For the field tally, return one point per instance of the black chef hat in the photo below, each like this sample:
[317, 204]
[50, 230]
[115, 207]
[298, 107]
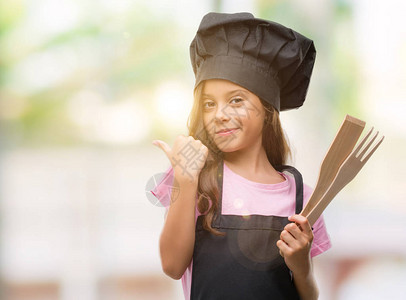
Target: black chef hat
[268, 59]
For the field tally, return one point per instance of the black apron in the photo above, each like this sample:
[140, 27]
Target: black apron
[245, 263]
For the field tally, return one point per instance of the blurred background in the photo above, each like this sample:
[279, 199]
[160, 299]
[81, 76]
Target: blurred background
[86, 85]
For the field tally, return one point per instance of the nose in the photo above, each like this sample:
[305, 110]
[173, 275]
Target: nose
[221, 114]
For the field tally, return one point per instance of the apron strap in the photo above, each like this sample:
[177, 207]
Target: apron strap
[299, 185]
[217, 215]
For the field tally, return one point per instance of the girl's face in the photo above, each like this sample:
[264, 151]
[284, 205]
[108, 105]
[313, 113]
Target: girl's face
[232, 115]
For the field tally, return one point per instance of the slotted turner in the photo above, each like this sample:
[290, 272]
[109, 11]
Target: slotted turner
[348, 170]
[343, 143]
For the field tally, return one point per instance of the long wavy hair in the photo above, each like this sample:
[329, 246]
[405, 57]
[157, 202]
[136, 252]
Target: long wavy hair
[273, 141]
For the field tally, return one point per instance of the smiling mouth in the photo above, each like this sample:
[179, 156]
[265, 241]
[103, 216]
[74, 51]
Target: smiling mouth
[225, 132]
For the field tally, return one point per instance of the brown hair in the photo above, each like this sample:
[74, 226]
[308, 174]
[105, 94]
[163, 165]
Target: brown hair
[273, 141]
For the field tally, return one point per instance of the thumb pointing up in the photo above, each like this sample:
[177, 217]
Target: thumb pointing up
[188, 168]
[164, 146]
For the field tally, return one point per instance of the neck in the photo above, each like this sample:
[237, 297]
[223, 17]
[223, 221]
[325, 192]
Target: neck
[252, 159]
[253, 164]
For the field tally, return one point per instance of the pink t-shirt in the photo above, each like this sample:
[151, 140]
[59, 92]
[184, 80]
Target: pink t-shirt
[238, 199]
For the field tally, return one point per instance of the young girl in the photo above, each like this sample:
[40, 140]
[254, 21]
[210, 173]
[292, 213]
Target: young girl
[232, 228]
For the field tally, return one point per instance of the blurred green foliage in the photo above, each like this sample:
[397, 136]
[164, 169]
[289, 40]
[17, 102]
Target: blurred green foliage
[131, 52]
[121, 55]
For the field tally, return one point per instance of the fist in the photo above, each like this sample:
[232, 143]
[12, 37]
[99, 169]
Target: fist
[295, 244]
[187, 157]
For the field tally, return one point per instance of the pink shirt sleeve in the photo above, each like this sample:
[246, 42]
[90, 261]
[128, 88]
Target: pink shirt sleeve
[163, 191]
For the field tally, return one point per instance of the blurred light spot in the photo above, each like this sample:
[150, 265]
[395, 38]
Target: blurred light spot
[238, 203]
[173, 104]
[115, 7]
[383, 64]
[246, 214]
[43, 70]
[47, 18]
[123, 122]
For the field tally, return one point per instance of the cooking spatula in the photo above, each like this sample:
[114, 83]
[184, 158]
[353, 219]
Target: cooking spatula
[343, 143]
[348, 170]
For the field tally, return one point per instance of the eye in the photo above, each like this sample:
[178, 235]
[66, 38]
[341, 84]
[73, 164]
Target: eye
[208, 104]
[237, 100]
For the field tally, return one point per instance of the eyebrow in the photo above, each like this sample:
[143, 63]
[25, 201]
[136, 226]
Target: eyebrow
[205, 96]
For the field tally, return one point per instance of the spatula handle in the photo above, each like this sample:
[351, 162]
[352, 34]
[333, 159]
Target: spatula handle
[323, 203]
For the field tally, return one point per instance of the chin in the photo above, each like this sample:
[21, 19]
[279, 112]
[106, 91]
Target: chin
[227, 147]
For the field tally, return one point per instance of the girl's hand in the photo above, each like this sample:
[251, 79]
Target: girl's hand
[187, 157]
[295, 244]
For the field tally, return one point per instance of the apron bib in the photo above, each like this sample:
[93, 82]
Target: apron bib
[245, 263]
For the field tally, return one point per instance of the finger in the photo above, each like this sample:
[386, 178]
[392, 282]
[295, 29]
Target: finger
[283, 247]
[294, 230]
[288, 239]
[301, 237]
[302, 222]
[164, 146]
